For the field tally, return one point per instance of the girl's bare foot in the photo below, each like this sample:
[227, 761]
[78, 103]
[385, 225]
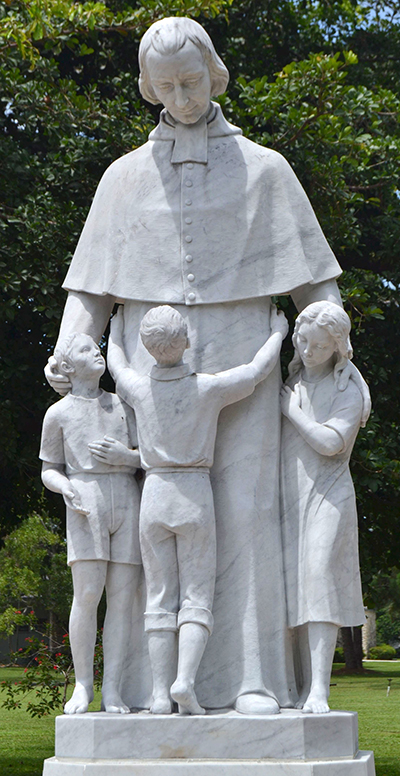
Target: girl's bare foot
[183, 693]
[79, 702]
[316, 703]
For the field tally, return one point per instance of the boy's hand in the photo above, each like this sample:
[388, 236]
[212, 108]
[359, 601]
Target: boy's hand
[289, 400]
[116, 359]
[278, 322]
[73, 499]
[117, 326]
[109, 450]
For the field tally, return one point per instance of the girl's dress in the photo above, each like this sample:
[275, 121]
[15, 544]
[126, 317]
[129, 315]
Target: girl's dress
[319, 510]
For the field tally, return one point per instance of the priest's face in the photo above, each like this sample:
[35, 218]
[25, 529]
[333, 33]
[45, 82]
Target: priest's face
[181, 81]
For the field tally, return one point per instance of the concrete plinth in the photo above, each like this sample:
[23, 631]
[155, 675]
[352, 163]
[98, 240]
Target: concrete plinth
[223, 744]
[361, 765]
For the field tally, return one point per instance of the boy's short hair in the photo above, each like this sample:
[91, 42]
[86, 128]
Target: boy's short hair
[63, 350]
[164, 333]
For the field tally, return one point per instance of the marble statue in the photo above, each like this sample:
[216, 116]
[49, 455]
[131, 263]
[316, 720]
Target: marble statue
[203, 219]
[102, 499]
[177, 413]
[319, 516]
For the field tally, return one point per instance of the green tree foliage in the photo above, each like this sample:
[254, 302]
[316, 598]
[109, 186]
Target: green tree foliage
[318, 81]
[34, 575]
[387, 629]
[384, 596]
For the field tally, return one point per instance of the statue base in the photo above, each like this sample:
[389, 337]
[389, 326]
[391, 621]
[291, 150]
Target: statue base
[219, 744]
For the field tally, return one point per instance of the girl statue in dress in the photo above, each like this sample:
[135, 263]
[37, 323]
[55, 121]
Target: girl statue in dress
[320, 424]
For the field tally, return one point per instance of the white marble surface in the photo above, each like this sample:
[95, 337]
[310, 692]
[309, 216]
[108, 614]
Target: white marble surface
[322, 414]
[212, 223]
[177, 413]
[86, 452]
[228, 735]
[319, 429]
[361, 765]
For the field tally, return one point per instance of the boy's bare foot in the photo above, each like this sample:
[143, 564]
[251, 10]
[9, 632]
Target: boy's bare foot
[183, 693]
[112, 703]
[161, 705]
[79, 702]
[316, 703]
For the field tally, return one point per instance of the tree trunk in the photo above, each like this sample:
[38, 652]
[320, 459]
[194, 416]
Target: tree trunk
[357, 640]
[352, 648]
[348, 648]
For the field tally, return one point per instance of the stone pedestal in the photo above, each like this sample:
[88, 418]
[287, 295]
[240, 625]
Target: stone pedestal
[223, 744]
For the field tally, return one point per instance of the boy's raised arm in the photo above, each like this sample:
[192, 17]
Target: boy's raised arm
[123, 374]
[116, 359]
[266, 358]
[239, 382]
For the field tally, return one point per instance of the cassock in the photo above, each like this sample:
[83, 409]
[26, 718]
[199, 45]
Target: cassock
[204, 219]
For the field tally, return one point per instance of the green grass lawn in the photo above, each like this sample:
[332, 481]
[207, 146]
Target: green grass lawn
[26, 742]
[378, 715]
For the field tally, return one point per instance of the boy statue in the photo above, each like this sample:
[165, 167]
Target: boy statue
[102, 499]
[177, 413]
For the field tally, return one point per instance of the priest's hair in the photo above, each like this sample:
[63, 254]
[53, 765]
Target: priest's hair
[63, 351]
[335, 320]
[164, 333]
[169, 35]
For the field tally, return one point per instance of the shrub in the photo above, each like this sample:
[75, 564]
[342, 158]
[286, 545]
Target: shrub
[387, 628]
[48, 673]
[383, 652]
[339, 655]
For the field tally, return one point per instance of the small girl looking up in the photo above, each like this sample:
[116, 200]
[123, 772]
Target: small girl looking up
[320, 425]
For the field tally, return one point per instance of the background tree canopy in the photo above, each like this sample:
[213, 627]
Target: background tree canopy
[318, 81]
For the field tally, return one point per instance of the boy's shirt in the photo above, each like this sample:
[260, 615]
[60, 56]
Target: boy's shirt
[177, 411]
[74, 421]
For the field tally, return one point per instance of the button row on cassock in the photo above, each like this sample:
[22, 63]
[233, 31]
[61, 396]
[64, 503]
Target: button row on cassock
[188, 237]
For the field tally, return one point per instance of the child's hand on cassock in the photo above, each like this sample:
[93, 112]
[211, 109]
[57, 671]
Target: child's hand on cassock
[290, 400]
[278, 322]
[110, 451]
[117, 325]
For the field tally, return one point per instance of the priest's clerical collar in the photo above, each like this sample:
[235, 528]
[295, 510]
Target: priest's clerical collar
[190, 140]
[170, 372]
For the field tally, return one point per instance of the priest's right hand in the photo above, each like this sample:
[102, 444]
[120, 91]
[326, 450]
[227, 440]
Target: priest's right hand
[58, 382]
